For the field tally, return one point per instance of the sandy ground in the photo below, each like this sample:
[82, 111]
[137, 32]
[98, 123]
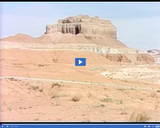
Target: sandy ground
[47, 101]
[132, 88]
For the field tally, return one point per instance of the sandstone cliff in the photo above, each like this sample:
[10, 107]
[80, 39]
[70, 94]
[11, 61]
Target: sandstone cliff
[82, 29]
[83, 24]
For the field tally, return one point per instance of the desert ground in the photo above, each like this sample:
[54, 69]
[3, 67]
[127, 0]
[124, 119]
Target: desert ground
[45, 85]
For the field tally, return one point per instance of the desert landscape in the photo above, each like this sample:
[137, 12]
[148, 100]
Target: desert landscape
[40, 82]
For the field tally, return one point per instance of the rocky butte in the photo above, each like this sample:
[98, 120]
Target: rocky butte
[82, 33]
[83, 24]
[100, 32]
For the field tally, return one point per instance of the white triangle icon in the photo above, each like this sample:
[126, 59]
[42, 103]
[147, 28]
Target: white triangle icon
[80, 61]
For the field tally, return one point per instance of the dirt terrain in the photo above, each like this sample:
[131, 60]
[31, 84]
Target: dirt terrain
[47, 86]
[25, 100]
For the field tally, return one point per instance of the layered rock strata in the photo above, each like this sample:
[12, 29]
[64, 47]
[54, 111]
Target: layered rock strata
[83, 24]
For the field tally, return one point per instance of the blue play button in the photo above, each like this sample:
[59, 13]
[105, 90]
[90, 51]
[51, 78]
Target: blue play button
[80, 61]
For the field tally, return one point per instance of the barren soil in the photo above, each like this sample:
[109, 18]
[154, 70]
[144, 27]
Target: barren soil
[45, 85]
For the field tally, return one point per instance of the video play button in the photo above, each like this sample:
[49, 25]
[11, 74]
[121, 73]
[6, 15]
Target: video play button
[80, 61]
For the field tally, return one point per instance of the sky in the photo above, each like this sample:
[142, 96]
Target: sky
[137, 23]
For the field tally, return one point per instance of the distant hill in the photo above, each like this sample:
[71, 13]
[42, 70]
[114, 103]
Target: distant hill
[156, 54]
[18, 38]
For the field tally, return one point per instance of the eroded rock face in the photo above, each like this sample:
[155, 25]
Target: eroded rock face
[145, 58]
[156, 54]
[142, 58]
[118, 58]
[85, 25]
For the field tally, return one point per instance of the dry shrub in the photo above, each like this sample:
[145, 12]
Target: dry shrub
[55, 96]
[76, 97]
[34, 87]
[56, 85]
[139, 116]
[40, 89]
[12, 79]
[158, 90]
[154, 95]
[107, 100]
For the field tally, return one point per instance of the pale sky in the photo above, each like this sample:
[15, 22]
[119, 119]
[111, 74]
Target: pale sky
[137, 23]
